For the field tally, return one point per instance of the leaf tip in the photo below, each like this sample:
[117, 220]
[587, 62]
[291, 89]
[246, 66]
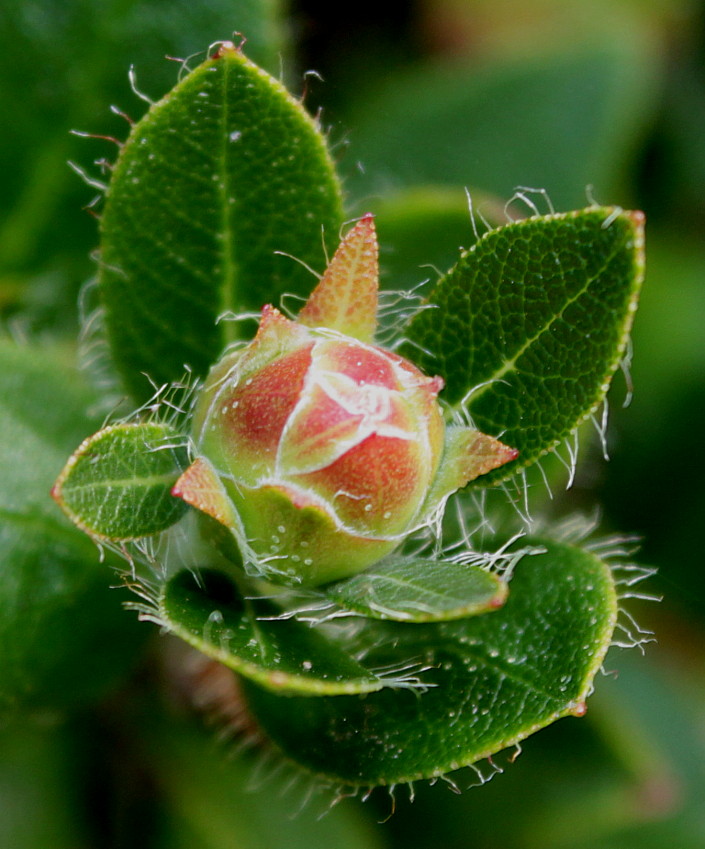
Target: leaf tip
[498, 601]
[578, 709]
[228, 48]
[57, 490]
[637, 217]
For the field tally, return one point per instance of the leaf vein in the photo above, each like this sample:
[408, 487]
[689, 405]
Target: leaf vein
[510, 364]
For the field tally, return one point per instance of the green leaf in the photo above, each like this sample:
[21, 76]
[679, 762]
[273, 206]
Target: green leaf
[219, 176]
[531, 324]
[212, 803]
[492, 680]
[64, 637]
[559, 119]
[117, 484]
[207, 611]
[410, 589]
[40, 805]
[45, 235]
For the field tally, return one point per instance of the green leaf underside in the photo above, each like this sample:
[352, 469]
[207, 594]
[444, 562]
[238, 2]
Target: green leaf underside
[222, 173]
[117, 484]
[531, 324]
[416, 590]
[494, 680]
[207, 611]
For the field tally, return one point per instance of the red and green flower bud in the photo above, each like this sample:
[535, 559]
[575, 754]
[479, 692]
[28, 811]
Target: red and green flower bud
[320, 450]
[327, 450]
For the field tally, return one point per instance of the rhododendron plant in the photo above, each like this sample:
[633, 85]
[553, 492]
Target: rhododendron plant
[300, 475]
[313, 441]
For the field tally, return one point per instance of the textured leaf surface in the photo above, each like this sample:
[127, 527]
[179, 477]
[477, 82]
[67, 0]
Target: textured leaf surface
[64, 636]
[118, 483]
[493, 680]
[281, 654]
[222, 173]
[43, 226]
[531, 324]
[415, 590]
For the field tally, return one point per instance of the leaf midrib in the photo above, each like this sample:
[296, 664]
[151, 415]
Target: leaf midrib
[509, 365]
[227, 300]
[124, 483]
[407, 583]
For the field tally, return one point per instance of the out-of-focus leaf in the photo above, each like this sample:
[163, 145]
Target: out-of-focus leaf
[412, 589]
[658, 798]
[245, 634]
[559, 121]
[530, 325]
[63, 634]
[212, 802]
[37, 810]
[117, 484]
[423, 230]
[659, 428]
[219, 176]
[492, 680]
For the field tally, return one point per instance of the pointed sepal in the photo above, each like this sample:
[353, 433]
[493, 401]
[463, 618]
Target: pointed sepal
[467, 454]
[201, 487]
[345, 299]
[276, 336]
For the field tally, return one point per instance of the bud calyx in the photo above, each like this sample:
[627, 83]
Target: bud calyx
[326, 446]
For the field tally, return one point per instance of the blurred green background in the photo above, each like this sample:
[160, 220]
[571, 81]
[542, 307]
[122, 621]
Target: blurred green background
[582, 98]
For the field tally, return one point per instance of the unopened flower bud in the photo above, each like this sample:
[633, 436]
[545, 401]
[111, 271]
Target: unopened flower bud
[327, 450]
[320, 450]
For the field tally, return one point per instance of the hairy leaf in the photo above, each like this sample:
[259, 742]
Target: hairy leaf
[43, 226]
[117, 484]
[215, 182]
[531, 324]
[422, 229]
[245, 634]
[412, 589]
[492, 680]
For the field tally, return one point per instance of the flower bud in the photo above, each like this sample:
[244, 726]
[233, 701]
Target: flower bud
[326, 446]
[318, 450]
